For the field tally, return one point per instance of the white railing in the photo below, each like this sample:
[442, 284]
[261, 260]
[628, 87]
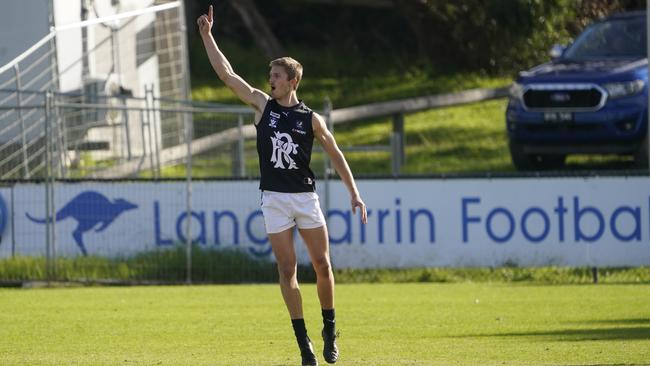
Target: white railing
[86, 23]
[102, 75]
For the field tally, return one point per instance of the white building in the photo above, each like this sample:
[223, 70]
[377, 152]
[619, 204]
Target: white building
[90, 50]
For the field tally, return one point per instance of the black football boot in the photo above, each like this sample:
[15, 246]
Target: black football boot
[330, 350]
[307, 353]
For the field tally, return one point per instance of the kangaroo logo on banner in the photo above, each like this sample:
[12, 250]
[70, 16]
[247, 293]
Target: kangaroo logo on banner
[89, 209]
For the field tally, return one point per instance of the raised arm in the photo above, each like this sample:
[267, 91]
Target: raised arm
[249, 95]
[329, 145]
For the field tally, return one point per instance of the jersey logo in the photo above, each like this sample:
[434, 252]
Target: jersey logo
[283, 148]
[299, 128]
[273, 118]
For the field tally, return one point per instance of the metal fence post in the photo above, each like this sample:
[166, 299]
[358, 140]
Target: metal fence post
[48, 256]
[13, 221]
[240, 147]
[327, 112]
[127, 129]
[150, 124]
[22, 122]
[157, 129]
[52, 178]
[48, 209]
[189, 134]
[188, 188]
[144, 129]
[397, 144]
[61, 144]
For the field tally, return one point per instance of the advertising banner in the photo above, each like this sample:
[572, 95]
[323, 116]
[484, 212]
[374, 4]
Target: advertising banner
[411, 223]
[5, 219]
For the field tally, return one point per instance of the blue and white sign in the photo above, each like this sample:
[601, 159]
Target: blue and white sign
[90, 210]
[411, 223]
[490, 222]
[4, 214]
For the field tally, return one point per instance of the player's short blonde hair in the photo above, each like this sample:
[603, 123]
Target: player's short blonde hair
[291, 66]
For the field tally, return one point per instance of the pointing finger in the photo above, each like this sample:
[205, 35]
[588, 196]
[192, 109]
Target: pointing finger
[210, 13]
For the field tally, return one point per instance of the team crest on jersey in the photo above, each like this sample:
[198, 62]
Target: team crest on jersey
[283, 148]
[299, 128]
[273, 119]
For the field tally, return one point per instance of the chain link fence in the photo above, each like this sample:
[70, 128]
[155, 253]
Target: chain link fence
[92, 117]
[101, 210]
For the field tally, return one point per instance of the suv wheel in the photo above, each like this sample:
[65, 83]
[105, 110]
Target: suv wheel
[525, 162]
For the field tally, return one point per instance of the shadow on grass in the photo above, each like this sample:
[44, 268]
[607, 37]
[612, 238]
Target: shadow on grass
[637, 321]
[598, 334]
[633, 329]
[610, 364]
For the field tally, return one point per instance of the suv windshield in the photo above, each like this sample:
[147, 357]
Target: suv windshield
[612, 39]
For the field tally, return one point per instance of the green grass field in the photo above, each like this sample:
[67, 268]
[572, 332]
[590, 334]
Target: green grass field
[380, 324]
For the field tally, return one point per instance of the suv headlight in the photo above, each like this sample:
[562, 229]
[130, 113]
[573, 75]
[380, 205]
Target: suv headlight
[623, 89]
[516, 91]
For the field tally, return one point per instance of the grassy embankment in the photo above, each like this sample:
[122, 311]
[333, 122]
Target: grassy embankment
[460, 139]
[467, 138]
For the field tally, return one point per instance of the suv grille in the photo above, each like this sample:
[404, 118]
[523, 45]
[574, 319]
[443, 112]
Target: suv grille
[561, 96]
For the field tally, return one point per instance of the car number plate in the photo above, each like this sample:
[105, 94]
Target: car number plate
[557, 117]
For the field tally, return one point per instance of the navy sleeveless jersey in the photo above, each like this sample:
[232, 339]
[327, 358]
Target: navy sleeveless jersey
[284, 142]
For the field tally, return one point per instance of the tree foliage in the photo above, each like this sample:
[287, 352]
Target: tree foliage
[490, 36]
[501, 35]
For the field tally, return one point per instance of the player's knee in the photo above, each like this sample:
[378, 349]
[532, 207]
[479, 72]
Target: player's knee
[287, 272]
[322, 266]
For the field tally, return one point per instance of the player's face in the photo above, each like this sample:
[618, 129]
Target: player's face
[278, 80]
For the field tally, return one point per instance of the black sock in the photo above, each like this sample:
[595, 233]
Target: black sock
[329, 324]
[300, 331]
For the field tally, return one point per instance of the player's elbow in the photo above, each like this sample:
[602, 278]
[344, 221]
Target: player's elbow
[225, 76]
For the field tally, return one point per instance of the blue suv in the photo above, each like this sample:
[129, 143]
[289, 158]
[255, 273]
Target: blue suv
[592, 98]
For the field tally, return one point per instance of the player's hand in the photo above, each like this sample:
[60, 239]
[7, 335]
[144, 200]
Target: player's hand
[357, 202]
[205, 22]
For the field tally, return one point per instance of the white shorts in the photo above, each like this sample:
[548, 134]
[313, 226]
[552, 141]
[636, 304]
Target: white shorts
[284, 210]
